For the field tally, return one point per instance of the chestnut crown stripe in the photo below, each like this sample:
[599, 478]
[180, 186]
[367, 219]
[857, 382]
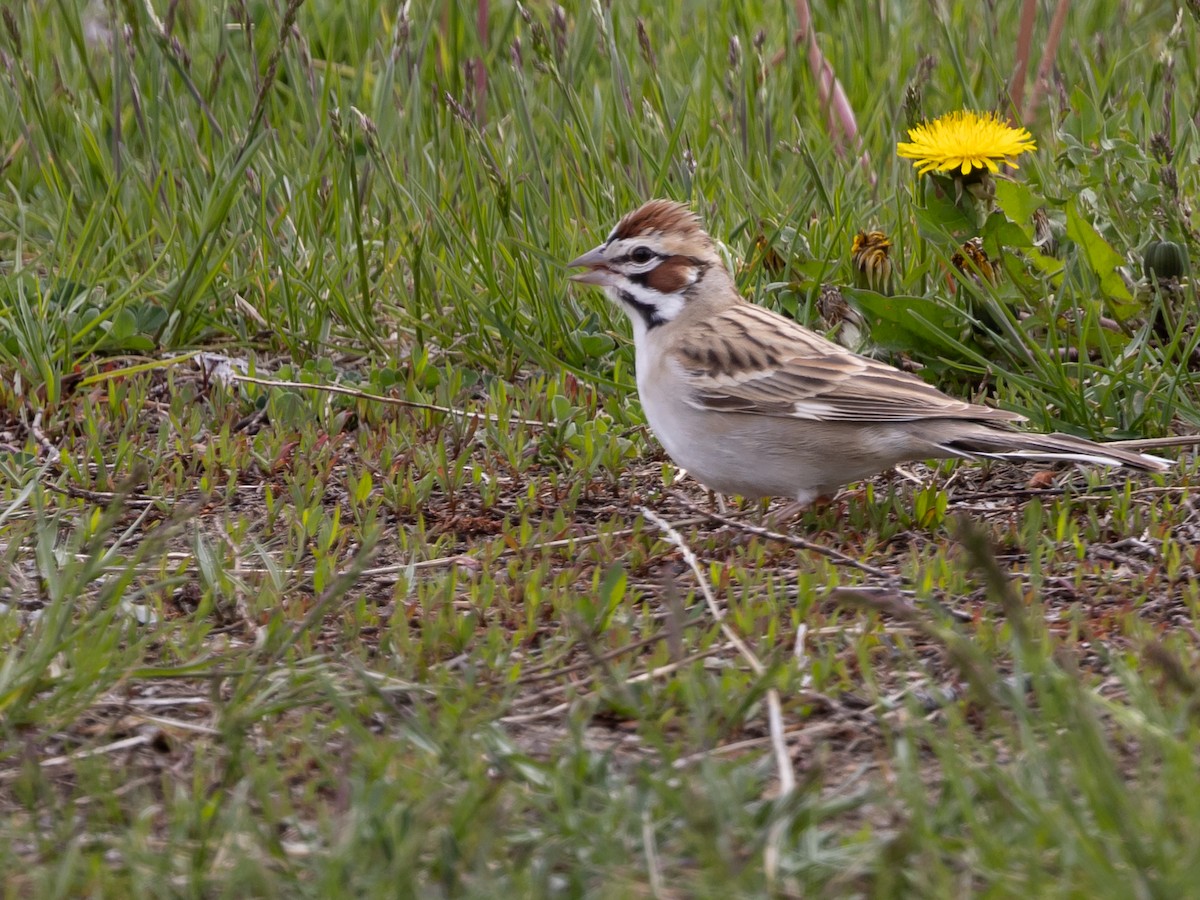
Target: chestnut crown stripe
[663, 217]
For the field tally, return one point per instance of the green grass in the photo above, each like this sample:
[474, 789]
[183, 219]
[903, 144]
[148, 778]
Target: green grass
[418, 637]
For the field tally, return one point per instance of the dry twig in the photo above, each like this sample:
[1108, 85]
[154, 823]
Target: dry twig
[783, 760]
[391, 401]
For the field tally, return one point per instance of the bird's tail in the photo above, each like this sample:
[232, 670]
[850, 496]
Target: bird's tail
[992, 443]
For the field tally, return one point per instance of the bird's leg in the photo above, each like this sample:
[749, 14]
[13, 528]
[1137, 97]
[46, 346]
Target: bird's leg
[716, 501]
[783, 517]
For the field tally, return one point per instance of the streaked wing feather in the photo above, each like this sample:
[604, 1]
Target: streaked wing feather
[748, 359]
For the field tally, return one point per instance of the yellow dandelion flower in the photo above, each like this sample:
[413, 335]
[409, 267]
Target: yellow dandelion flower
[965, 141]
[870, 256]
[974, 263]
[768, 257]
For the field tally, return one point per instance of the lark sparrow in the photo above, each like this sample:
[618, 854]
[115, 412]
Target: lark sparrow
[751, 403]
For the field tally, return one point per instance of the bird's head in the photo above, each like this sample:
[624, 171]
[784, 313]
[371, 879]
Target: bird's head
[653, 262]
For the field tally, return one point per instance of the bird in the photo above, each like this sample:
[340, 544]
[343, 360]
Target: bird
[751, 403]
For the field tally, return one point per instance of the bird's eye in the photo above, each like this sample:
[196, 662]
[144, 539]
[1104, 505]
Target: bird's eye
[641, 255]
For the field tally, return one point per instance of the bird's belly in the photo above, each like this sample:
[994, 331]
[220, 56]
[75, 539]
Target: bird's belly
[724, 454]
[764, 456]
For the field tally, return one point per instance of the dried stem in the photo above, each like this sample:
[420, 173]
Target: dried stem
[1016, 84]
[783, 760]
[1047, 62]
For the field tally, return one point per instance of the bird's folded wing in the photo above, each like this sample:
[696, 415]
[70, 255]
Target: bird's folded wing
[754, 364]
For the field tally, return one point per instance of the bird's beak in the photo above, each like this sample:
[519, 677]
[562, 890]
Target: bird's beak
[597, 267]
